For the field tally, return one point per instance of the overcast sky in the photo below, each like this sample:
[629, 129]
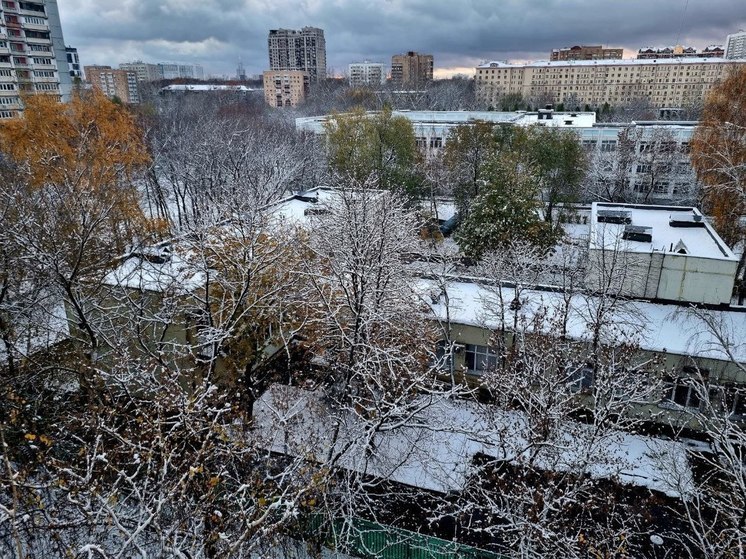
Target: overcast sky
[459, 33]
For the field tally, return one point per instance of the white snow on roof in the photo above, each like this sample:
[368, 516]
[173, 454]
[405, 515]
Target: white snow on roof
[141, 271]
[295, 209]
[610, 62]
[653, 327]
[209, 87]
[702, 242]
[431, 443]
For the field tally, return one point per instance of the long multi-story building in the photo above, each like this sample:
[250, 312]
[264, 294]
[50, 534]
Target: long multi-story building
[366, 73]
[668, 82]
[679, 51]
[651, 158]
[411, 69]
[32, 54]
[304, 50]
[586, 52]
[735, 45]
[285, 88]
[121, 84]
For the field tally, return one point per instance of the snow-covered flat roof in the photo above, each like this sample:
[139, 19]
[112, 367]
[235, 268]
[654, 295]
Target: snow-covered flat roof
[610, 62]
[431, 442]
[155, 269]
[700, 241]
[652, 327]
[210, 87]
[454, 118]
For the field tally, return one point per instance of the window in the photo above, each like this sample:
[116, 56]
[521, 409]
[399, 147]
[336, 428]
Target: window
[589, 144]
[436, 142]
[444, 355]
[608, 145]
[8, 100]
[681, 392]
[44, 74]
[480, 358]
[684, 391]
[645, 147]
[728, 400]
[7, 87]
[421, 141]
[47, 61]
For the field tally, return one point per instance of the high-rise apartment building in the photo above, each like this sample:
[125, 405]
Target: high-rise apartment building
[367, 73]
[285, 88]
[32, 54]
[298, 50]
[668, 82]
[121, 84]
[735, 45]
[145, 72]
[586, 52]
[411, 69]
[73, 63]
[679, 51]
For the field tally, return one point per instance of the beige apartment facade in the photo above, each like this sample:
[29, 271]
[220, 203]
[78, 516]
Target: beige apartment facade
[285, 88]
[666, 83]
[121, 84]
[411, 69]
[145, 72]
[586, 52]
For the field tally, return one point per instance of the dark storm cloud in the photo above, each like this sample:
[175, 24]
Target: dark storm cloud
[459, 33]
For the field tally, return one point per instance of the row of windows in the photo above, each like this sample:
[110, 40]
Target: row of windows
[681, 391]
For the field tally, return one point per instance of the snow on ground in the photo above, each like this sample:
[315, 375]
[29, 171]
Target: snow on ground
[433, 446]
[655, 327]
[40, 328]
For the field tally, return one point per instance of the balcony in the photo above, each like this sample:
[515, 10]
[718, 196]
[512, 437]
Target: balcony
[38, 41]
[35, 26]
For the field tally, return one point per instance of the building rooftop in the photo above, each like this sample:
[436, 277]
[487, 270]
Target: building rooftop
[444, 118]
[209, 87]
[651, 326]
[436, 448]
[611, 62]
[667, 229]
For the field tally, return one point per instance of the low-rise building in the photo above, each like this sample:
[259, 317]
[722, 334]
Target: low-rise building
[120, 84]
[668, 253]
[285, 88]
[658, 163]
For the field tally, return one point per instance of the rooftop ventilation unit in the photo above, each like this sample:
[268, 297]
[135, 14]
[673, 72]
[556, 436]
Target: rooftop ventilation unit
[686, 219]
[638, 233]
[620, 217]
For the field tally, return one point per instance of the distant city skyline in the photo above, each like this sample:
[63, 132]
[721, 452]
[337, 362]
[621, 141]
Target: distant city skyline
[217, 33]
